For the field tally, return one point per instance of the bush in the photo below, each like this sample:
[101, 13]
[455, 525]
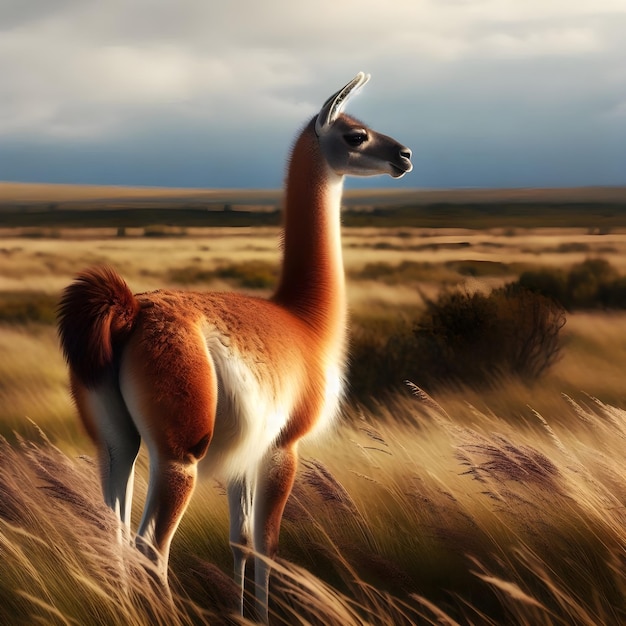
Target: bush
[549, 283]
[613, 295]
[590, 284]
[248, 274]
[390, 274]
[476, 267]
[460, 339]
[476, 339]
[41, 233]
[159, 231]
[190, 275]
[382, 356]
[586, 280]
[21, 307]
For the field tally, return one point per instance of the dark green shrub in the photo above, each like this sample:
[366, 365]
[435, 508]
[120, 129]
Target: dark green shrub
[477, 339]
[572, 246]
[591, 284]
[382, 356]
[405, 272]
[160, 231]
[460, 339]
[21, 307]
[41, 233]
[586, 280]
[613, 295]
[476, 267]
[249, 274]
[190, 275]
[551, 283]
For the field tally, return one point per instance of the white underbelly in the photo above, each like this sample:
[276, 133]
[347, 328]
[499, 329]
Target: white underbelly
[250, 415]
[255, 404]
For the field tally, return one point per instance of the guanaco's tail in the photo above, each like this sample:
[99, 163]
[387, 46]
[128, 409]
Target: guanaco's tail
[96, 313]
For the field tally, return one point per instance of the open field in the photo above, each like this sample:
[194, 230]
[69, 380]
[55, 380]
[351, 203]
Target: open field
[500, 506]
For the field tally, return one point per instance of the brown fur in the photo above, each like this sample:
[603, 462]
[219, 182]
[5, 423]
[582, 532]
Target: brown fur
[169, 356]
[96, 314]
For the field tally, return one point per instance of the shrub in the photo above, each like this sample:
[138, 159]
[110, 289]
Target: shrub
[190, 275]
[41, 233]
[159, 230]
[590, 284]
[476, 267]
[476, 339]
[382, 356]
[248, 274]
[613, 295]
[21, 307]
[460, 339]
[551, 283]
[390, 274]
[572, 246]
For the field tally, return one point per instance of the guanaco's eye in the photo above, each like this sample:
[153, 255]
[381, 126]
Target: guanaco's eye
[356, 138]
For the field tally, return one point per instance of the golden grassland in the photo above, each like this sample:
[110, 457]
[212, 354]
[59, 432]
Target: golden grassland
[504, 506]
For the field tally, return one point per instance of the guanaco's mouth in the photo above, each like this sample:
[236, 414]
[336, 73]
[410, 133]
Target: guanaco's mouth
[398, 172]
[402, 165]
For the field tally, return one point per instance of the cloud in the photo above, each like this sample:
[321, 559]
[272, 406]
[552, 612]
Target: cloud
[93, 73]
[551, 42]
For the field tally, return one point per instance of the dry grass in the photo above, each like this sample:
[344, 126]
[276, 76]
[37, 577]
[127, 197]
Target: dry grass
[446, 520]
[33, 383]
[499, 507]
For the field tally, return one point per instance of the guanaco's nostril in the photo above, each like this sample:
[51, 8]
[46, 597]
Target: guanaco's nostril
[406, 153]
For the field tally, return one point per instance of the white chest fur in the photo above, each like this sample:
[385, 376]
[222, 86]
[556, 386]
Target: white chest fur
[251, 412]
[254, 406]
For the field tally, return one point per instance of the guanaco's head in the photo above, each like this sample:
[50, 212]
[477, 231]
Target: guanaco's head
[350, 147]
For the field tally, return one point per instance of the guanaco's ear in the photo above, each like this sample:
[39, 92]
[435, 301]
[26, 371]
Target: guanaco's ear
[334, 105]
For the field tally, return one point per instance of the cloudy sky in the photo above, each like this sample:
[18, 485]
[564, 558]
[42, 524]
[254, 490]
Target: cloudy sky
[487, 93]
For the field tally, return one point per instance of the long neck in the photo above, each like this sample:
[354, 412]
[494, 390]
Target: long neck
[312, 283]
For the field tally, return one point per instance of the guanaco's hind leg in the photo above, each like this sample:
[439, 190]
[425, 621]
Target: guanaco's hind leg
[240, 493]
[275, 480]
[109, 424]
[170, 389]
[170, 487]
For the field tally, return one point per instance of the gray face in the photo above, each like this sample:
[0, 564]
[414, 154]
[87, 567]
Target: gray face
[353, 149]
